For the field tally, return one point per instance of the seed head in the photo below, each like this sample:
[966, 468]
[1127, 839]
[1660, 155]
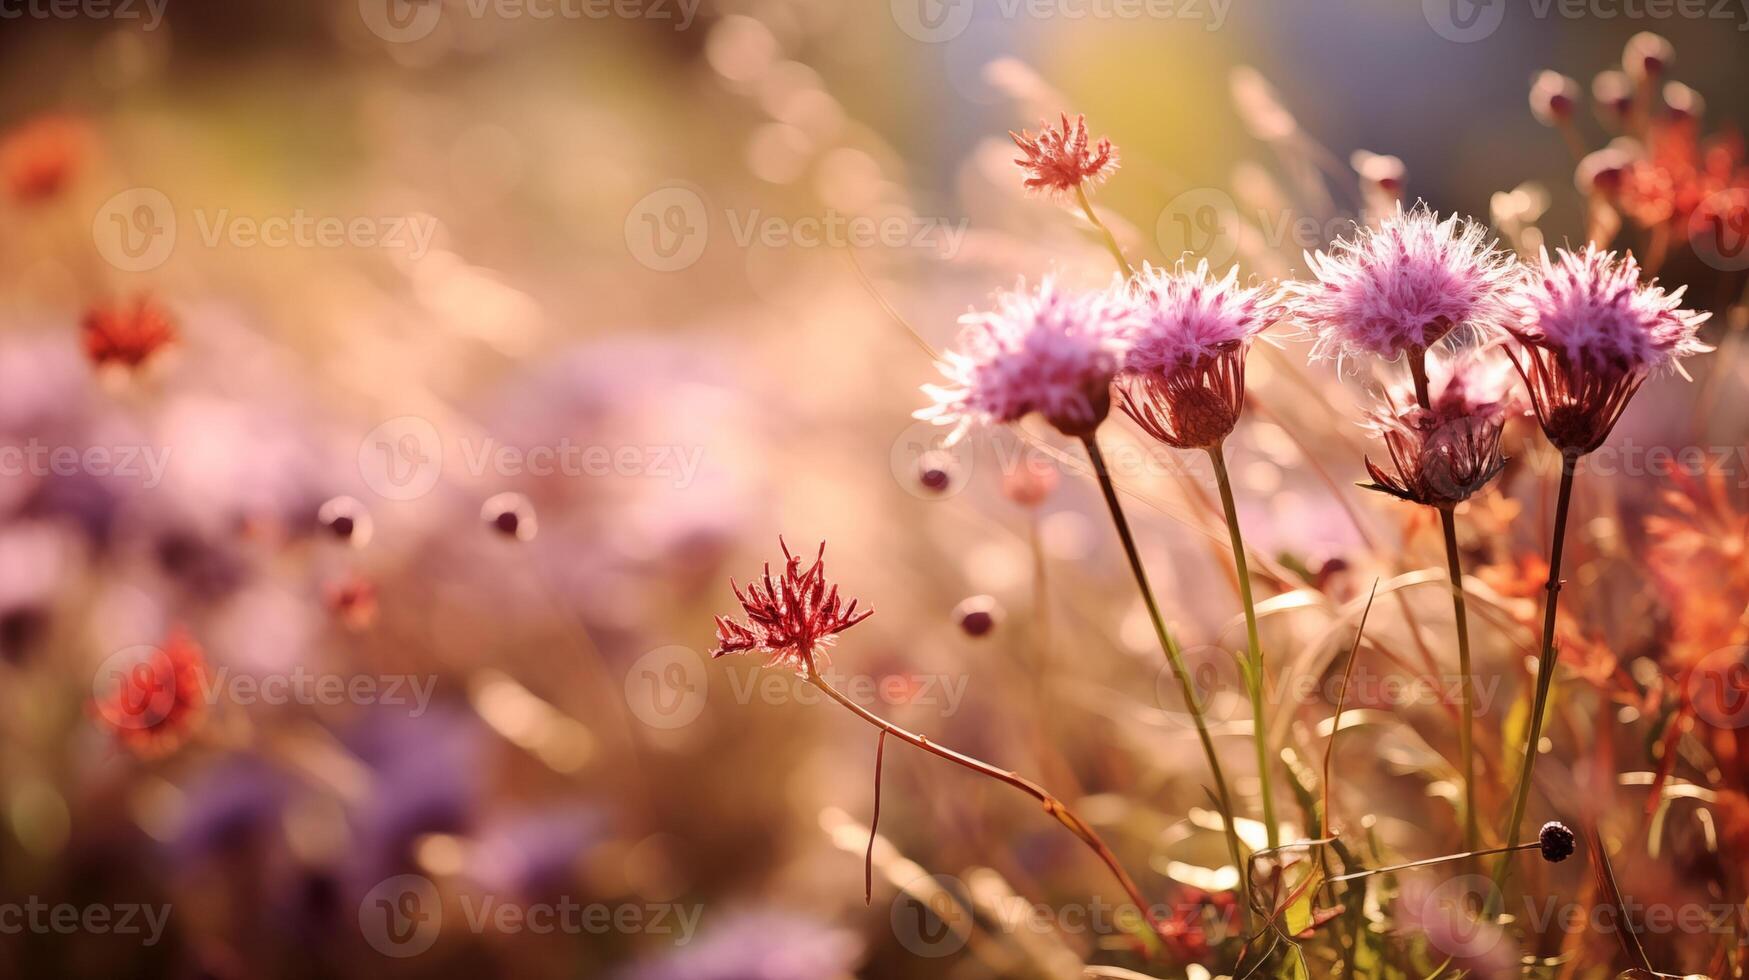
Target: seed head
[794, 619]
[1557, 842]
[1443, 453]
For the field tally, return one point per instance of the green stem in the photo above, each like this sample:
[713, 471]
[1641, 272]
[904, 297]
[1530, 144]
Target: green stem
[1254, 676]
[1192, 703]
[1454, 568]
[1545, 667]
[1123, 264]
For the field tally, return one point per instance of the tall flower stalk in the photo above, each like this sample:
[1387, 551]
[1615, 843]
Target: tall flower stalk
[1184, 384]
[1394, 292]
[1055, 351]
[1587, 334]
[796, 617]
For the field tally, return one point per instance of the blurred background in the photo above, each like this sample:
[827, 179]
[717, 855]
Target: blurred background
[388, 391]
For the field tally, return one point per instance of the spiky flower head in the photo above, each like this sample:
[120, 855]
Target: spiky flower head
[793, 619]
[1048, 350]
[1403, 285]
[126, 332]
[1184, 377]
[1588, 334]
[1062, 158]
[1556, 841]
[1445, 451]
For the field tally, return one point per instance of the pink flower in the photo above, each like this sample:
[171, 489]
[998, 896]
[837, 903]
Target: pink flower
[1184, 378]
[1444, 453]
[1588, 334]
[1047, 350]
[1402, 286]
[1058, 160]
[793, 619]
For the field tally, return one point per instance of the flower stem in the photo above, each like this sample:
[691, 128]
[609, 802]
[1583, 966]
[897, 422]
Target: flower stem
[1460, 612]
[1111, 245]
[1254, 677]
[1545, 666]
[1173, 657]
[1052, 805]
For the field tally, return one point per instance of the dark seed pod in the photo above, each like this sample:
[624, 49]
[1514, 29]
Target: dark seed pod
[1557, 841]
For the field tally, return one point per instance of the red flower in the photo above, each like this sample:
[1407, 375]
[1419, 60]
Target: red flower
[156, 700]
[126, 333]
[1059, 160]
[39, 157]
[793, 619]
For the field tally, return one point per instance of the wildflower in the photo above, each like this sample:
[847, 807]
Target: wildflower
[1402, 286]
[1647, 55]
[156, 700]
[346, 519]
[1557, 841]
[1029, 483]
[38, 158]
[1059, 160]
[1185, 371]
[1553, 97]
[977, 615]
[352, 600]
[1613, 96]
[936, 470]
[1048, 350]
[510, 514]
[126, 333]
[1589, 333]
[793, 620]
[1443, 453]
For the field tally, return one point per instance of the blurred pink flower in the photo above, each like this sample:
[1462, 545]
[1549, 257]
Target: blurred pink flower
[1048, 350]
[1588, 333]
[1402, 286]
[793, 620]
[1059, 160]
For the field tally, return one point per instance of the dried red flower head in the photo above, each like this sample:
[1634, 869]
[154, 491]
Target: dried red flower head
[155, 701]
[126, 332]
[1195, 406]
[39, 158]
[793, 619]
[1059, 160]
[1443, 453]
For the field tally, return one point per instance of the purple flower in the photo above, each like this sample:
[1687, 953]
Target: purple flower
[1399, 288]
[1185, 371]
[1588, 334]
[1442, 454]
[1046, 350]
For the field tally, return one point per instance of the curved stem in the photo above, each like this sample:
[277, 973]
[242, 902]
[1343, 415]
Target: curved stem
[1173, 657]
[1254, 676]
[1052, 805]
[1545, 666]
[1111, 245]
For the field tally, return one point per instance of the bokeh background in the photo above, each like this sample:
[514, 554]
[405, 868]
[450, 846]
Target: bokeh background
[593, 301]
